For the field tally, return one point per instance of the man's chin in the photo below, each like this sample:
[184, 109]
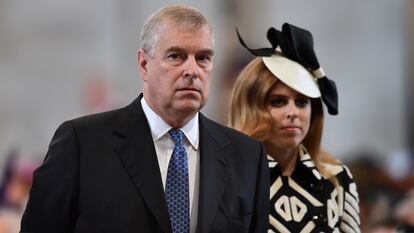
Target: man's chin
[189, 106]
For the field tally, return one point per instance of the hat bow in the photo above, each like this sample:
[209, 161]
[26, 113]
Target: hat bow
[297, 44]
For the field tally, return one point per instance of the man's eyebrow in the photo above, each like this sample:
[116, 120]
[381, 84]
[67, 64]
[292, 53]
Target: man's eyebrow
[180, 49]
[175, 48]
[208, 51]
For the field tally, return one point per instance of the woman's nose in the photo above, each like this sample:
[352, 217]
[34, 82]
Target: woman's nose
[292, 110]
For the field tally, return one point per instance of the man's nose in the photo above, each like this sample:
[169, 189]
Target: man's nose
[191, 68]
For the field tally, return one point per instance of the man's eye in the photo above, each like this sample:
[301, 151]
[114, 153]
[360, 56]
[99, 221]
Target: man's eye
[174, 56]
[302, 102]
[204, 58]
[277, 102]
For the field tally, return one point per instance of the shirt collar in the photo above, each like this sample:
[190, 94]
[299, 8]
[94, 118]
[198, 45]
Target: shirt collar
[159, 127]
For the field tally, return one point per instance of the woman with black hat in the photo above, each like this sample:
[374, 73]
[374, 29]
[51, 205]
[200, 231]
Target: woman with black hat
[278, 99]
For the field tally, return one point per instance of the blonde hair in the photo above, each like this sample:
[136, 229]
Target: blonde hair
[180, 14]
[248, 112]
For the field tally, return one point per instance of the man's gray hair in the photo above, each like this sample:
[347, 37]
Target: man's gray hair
[181, 15]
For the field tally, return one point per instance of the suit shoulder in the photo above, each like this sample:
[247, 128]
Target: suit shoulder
[97, 118]
[231, 133]
[94, 122]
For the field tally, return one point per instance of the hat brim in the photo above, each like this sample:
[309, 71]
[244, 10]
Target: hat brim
[293, 75]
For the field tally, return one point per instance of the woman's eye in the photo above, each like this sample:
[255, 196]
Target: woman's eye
[277, 102]
[302, 102]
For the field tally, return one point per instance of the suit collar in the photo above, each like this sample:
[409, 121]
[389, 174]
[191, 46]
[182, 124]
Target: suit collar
[213, 172]
[137, 153]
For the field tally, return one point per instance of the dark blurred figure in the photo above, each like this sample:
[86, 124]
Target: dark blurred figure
[404, 212]
[405, 228]
[14, 190]
[386, 200]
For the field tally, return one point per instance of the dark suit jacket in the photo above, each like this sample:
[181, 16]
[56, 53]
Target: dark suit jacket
[101, 175]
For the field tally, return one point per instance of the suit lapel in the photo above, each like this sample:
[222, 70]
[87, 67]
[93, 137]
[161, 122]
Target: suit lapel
[137, 153]
[213, 174]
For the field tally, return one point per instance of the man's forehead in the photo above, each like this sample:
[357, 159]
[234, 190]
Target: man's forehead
[184, 26]
[182, 38]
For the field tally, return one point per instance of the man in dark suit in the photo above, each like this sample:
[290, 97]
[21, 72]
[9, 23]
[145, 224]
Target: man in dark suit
[157, 165]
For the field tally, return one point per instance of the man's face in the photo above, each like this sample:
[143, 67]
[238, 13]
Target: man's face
[177, 77]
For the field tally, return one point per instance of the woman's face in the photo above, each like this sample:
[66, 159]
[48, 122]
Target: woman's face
[291, 115]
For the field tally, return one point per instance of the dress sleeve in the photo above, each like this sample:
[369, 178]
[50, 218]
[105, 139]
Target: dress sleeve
[350, 220]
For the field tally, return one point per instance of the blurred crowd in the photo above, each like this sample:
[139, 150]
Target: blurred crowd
[14, 189]
[386, 190]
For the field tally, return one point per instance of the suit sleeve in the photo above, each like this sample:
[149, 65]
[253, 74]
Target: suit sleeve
[52, 205]
[261, 214]
[350, 221]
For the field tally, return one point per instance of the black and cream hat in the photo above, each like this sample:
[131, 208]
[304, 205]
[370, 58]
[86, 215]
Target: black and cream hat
[293, 61]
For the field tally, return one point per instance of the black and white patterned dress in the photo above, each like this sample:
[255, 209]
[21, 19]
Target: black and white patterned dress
[307, 202]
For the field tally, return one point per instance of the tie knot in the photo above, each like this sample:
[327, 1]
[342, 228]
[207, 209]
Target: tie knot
[177, 136]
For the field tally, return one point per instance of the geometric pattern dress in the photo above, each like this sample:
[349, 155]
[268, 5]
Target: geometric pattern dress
[307, 202]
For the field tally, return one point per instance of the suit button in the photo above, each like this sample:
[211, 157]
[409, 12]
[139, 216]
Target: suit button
[319, 219]
[318, 187]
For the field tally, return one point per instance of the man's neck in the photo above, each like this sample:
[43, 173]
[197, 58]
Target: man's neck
[176, 119]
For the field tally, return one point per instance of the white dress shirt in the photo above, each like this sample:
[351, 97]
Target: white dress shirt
[164, 147]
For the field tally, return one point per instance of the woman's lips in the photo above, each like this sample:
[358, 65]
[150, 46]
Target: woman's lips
[291, 128]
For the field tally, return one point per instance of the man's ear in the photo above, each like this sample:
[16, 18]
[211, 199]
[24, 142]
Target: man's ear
[142, 63]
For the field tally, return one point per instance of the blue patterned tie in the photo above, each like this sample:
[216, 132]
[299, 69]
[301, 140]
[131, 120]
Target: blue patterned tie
[176, 190]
